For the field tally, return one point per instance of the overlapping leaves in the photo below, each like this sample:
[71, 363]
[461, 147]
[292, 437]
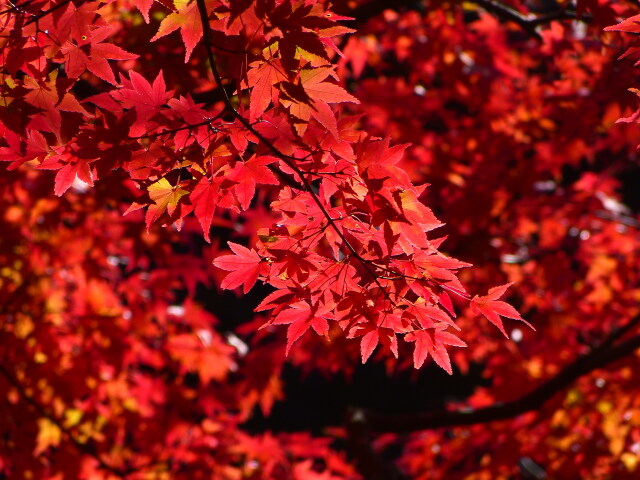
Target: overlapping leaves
[347, 253]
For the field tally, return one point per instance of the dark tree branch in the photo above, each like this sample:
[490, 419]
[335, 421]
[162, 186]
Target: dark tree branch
[176, 130]
[617, 333]
[528, 23]
[44, 13]
[288, 160]
[600, 357]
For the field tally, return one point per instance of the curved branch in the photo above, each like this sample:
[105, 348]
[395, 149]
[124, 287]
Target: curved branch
[597, 358]
[528, 23]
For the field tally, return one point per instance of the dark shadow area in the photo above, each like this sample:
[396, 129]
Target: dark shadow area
[314, 402]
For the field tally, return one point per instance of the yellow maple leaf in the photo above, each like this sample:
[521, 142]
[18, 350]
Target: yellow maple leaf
[49, 435]
[165, 197]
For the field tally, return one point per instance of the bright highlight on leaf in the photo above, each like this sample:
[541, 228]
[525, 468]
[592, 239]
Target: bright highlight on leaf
[166, 198]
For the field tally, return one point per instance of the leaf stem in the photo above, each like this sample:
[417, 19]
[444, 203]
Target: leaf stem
[288, 160]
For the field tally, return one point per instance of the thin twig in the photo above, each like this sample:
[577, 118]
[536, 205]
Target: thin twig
[37, 17]
[19, 7]
[289, 161]
[175, 130]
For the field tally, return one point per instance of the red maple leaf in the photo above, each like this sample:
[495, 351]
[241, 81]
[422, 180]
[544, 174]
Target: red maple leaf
[244, 266]
[368, 344]
[492, 308]
[428, 342]
[204, 198]
[313, 99]
[263, 76]
[90, 53]
[300, 316]
[629, 25]
[247, 174]
[187, 19]
[145, 98]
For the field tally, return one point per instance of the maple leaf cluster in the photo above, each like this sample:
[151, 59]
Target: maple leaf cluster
[283, 147]
[349, 244]
[513, 116]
